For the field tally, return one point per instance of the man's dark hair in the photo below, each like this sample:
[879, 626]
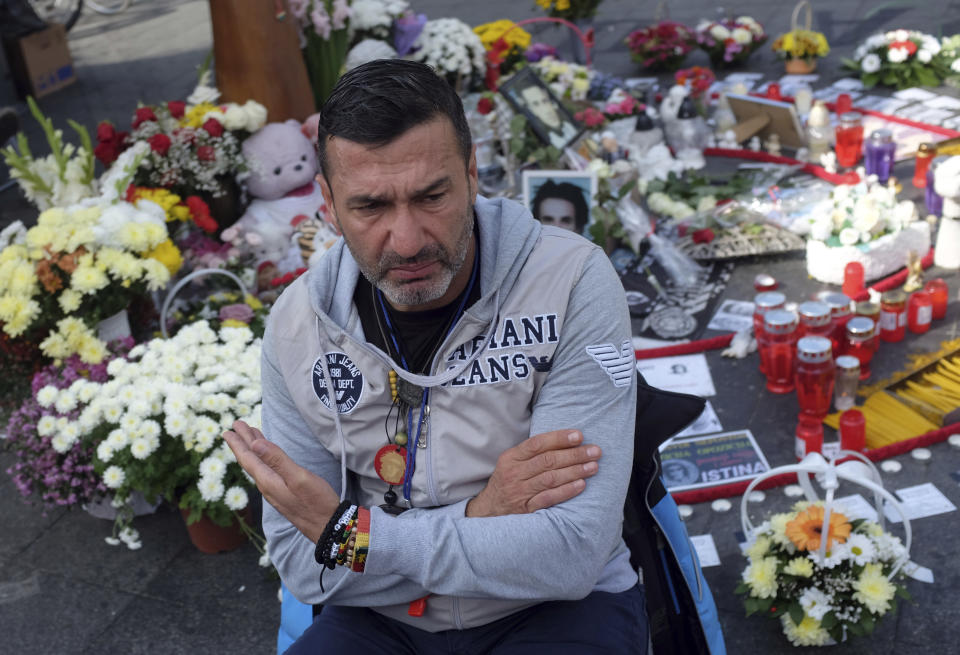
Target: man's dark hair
[376, 102]
[564, 191]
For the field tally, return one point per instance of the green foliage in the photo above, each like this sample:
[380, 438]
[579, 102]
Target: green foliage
[527, 147]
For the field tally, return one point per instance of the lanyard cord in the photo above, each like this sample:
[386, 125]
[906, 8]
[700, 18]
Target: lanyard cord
[412, 447]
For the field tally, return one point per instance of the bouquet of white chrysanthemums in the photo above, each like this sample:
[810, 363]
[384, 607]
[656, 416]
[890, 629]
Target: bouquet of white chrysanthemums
[450, 46]
[157, 421]
[904, 59]
[822, 599]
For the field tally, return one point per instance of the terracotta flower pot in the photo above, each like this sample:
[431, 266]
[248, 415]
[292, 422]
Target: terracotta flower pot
[211, 538]
[800, 66]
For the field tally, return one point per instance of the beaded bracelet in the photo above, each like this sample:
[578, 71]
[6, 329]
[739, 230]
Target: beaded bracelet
[345, 539]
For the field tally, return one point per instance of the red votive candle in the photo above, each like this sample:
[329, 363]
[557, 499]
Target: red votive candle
[853, 431]
[852, 279]
[939, 293]
[859, 343]
[815, 319]
[815, 376]
[844, 103]
[919, 312]
[809, 437]
[849, 139]
[893, 316]
[764, 282]
[840, 313]
[779, 353]
[763, 303]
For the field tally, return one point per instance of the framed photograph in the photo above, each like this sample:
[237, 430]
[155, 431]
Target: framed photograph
[560, 198]
[548, 118]
[763, 117]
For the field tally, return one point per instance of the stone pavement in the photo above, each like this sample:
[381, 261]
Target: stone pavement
[63, 590]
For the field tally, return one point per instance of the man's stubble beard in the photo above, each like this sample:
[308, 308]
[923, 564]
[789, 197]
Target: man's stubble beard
[412, 293]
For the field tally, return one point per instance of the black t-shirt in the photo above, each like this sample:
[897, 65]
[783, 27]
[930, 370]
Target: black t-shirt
[419, 333]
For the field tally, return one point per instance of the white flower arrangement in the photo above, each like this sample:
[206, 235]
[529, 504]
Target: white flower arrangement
[373, 19]
[157, 422]
[450, 46]
[903, 59]
[60, 179]
[857, 214]
[565, 79]
[821, 600]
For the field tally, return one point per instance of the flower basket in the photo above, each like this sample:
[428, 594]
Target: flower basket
[799, 66]
[202, 272]
[801, 46]
[824, 576]
[211, 538]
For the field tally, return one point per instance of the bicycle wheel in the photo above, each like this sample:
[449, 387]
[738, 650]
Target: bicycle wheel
[108, 6]
[65, 12]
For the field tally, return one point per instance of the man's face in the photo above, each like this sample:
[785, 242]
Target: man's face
[406, 211]
[540, 106]
[558, 212]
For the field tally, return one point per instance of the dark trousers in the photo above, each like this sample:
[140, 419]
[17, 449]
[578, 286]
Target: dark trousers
[600, 624]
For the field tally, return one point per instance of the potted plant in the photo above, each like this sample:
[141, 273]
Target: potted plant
[730, 42]
[77, 267]
[661, 47]
[157, 422]
[50, 468]
[800, 47]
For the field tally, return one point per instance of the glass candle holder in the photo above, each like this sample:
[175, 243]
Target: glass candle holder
[844, 103]
[919, 312]
[925, 154]
[872, 311]
[846, 382]
[839, 305]
[939, 294]
[853, 431]
[893, 316]
[815, 376]
[809, 437]
[763, 303]
[849, 139]
[859, 343]
[878, 155]
[779, 351]
[815, 319]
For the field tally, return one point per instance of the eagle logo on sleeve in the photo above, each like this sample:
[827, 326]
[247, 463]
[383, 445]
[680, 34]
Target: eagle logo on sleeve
[618, 364]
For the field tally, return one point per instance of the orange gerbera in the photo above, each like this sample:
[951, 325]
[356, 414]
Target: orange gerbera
[806, 530]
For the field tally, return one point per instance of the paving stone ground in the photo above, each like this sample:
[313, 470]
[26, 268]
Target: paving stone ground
[63, 590]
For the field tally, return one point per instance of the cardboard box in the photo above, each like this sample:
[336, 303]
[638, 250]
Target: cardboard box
[40, 62]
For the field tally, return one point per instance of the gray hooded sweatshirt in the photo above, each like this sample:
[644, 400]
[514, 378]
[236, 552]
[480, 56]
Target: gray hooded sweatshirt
[546, 347]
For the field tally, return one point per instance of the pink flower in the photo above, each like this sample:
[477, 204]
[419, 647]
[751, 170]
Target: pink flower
[239, 312]
[341, 12]
[299, 8]
[321, 21]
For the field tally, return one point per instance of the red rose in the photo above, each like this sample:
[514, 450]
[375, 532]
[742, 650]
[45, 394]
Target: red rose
[176, 108]
[131, 193]
[106, 153]
[206, 153]
[485, 106]
[105, 131]
[159, 143]
[213, 127]
[705, 235]
[142, 115]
